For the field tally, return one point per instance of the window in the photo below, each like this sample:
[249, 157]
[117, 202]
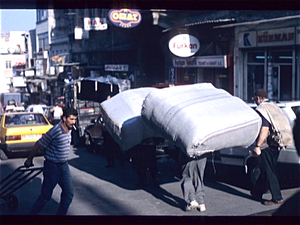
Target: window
[8, 64]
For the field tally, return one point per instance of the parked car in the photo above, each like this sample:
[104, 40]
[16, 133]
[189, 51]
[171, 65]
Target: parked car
[288, 161]
[36, 108]
[19, 131]
[94, 139]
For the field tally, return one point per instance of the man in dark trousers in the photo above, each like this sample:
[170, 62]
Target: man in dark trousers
[291, 207]
[56, 145]
[268, 157]
[192, 184]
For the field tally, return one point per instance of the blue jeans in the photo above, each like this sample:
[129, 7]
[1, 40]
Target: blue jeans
[55, 173]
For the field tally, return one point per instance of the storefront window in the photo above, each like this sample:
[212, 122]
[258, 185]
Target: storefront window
[282, 57]
[256, 57]
[255, 79]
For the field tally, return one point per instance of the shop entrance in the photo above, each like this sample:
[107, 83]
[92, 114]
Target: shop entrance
[281, 82]
[271, 70]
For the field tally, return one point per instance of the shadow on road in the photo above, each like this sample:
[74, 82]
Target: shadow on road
[125, 177]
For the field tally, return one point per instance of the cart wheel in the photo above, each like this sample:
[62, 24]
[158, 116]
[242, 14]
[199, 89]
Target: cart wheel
[12, 202]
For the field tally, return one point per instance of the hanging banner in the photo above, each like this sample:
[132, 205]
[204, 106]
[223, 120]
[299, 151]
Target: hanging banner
[125, 18]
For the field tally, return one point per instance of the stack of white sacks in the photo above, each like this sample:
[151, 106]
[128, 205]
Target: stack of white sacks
[198, 118]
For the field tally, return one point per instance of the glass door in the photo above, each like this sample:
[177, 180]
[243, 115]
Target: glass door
[281, 83]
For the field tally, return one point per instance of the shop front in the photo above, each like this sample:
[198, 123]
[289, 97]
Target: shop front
[268, 57]
[200, 54]
[203, 69]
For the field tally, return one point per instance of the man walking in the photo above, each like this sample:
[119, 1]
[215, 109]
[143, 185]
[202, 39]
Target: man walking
[56, 145]
[268, 155]
[192, 184]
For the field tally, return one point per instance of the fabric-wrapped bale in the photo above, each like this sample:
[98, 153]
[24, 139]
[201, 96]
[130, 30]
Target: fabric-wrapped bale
[122, 117]
[200, 118]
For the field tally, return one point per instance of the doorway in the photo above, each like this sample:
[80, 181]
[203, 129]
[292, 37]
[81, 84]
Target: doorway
[281, 82]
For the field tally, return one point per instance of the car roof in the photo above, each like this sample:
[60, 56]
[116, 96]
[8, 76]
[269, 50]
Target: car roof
[20, 113]
[280, 104]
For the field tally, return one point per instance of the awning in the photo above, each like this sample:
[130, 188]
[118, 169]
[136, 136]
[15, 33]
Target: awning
[258, 22]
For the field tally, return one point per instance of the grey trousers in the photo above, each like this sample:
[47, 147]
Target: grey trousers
[192, 185]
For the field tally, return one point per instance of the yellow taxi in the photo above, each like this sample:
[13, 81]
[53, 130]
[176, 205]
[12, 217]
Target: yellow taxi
[19, 131]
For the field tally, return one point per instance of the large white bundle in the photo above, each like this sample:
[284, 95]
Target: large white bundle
[122, 117]
[200, 118]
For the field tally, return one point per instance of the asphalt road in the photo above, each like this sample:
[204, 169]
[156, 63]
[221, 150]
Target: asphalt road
[101, 191]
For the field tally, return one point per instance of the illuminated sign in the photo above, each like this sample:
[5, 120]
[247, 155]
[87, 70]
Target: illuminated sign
[126, 18]
[184, 45]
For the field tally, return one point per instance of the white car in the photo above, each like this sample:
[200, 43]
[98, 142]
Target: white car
[243, 157]
[36, 108]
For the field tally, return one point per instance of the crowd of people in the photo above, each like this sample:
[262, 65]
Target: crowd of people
[56, 143]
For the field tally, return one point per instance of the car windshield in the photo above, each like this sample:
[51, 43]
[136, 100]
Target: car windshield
[24, 119]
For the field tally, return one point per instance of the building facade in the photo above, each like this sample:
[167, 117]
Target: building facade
[238, 51]
[266, 55]
[12, 58]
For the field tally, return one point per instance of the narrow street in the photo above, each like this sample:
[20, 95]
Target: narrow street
[101, 191]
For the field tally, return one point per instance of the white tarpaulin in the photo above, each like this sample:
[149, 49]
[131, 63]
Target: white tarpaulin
[122, 117]
[200, 118]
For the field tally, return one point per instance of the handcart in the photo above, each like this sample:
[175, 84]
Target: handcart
[14, 181]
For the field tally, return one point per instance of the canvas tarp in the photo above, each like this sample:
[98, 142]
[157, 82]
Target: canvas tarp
[122, 117]
[200, 118]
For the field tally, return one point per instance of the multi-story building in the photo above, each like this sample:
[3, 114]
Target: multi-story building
[226, 48]
[12, 61]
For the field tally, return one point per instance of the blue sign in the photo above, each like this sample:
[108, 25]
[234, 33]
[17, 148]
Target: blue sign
[172, 75]
[246, 40]
[70, 76]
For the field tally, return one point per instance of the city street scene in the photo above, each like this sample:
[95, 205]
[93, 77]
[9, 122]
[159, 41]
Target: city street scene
[139, 113]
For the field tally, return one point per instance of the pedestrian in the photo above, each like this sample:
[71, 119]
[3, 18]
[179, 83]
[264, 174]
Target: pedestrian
[291, 207]
[56, 146]
[145, 158]
[268, 157]
[192, 183]
[111, 149]
[57, 113]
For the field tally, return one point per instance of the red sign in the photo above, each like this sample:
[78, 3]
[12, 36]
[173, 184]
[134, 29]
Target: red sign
[126, 18]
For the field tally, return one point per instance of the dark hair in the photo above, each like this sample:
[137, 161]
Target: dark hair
[296, 132]
[68, 111]
[261, 93]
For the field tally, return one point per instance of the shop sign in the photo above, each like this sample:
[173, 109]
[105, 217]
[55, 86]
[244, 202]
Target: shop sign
[207, 62]
[19, 81]
[116, 67]
[39, 67]
[29, 73]
[276, 37]
[247, 39]
[172, 74]
[125, 18]
[95, 23]
[184, 45]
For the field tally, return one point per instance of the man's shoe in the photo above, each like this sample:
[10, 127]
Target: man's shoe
[201, 208]
[274, 202]
[192, 205]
